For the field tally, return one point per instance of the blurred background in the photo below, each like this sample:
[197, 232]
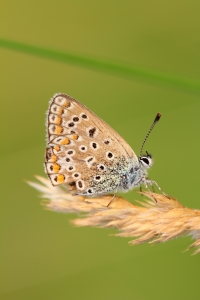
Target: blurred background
[125, 60]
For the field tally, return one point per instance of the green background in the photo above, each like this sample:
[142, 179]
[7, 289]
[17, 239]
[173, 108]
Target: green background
[125, 60]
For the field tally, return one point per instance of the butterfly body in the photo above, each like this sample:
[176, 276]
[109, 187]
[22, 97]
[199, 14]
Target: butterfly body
[87, 154]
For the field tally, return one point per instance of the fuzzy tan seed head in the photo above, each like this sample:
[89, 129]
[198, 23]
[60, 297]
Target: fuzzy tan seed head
[156, 220]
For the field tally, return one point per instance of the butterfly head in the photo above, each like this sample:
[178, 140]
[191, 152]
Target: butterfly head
[146, 160]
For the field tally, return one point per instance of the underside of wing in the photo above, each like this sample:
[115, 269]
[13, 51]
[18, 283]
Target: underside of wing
[83, 151]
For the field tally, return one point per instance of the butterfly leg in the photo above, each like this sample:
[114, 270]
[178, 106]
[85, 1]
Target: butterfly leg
[111, 200]
[151, 182]
[148, 182]
[141, 190]
[153, 190]
[113, 195]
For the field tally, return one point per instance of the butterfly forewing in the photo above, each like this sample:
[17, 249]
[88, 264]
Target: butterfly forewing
[83, 151]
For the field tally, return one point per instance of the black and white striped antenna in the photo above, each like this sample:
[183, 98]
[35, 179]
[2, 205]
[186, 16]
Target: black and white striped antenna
[157, 118]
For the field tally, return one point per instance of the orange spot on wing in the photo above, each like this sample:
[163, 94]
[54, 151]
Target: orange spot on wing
[74, 137]
[65, 141]
[56, 167]
[60, 178]
[58, 120]
[53, 158]
[57, 148]
[60, 111]
[67, 103]
[59, 129]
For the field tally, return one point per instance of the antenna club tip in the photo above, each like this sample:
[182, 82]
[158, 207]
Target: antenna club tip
[158, 116]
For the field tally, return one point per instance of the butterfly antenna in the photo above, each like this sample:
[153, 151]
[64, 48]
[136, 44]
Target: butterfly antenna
[157, 118]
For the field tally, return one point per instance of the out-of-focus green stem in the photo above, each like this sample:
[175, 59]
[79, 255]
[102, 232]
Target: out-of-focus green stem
[103, 66]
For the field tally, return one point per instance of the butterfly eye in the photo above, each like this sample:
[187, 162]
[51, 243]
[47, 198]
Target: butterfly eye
[146, 161]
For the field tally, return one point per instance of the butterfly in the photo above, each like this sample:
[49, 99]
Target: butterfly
[87, 155]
